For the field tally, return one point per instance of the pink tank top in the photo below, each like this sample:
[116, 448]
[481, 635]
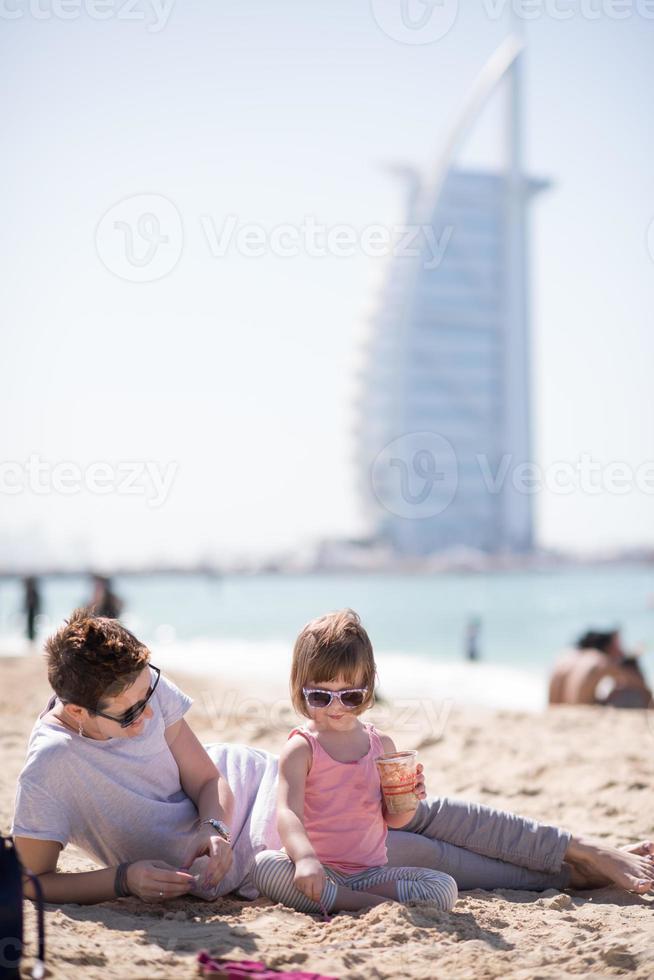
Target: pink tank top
[343, 807]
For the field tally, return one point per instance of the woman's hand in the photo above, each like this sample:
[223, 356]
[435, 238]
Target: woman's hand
[220, 857]
[156, 881]
[419, 785]
[310, 878]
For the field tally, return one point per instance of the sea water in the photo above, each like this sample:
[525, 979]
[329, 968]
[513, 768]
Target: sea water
[240, 626]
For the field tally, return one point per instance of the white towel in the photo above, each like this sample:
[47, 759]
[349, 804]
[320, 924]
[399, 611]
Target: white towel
[252, 775]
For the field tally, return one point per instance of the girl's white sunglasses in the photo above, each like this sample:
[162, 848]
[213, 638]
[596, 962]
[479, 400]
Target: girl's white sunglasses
[316, 697]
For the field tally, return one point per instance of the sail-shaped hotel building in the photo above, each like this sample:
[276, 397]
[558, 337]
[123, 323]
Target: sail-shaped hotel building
[444, 392]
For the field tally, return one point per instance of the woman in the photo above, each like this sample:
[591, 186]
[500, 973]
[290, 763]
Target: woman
[114, 768]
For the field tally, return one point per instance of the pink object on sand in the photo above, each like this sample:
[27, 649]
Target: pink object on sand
[237, 969]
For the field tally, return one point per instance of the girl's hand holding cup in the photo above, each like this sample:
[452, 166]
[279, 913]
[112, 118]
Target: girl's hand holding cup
[419, 788]
[401, 781]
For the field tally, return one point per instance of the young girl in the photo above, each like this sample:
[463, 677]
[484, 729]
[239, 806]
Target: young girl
[331, 817]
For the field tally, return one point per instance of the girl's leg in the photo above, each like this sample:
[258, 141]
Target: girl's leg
[492, 833]
[408, 885]
[273, 874]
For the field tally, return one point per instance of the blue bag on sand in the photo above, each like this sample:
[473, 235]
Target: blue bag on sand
[11, 914]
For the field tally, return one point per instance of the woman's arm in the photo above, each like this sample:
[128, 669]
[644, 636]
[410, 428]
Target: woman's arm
[85, 888]
[200, 779]
[207, 787]
[398, 820]
[146, 879]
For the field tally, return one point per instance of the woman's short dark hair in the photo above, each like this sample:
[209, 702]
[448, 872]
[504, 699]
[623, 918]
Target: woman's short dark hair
[92, 658]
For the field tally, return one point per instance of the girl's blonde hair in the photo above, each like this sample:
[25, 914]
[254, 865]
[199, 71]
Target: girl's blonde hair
[335, 645]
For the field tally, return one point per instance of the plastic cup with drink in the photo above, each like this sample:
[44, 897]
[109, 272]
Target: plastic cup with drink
[398, 774]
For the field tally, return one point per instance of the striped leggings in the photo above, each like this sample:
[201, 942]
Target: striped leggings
[273, 875]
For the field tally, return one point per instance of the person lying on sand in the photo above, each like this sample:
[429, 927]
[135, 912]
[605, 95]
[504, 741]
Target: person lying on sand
[598, 657]
[114, 768]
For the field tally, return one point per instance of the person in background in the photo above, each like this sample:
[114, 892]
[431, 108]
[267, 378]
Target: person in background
[631, 689]
[472, 638]
[105, 602]
[32, 605]
[599, 657]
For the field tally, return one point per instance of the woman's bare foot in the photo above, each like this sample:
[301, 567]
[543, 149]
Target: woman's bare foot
[596, 865]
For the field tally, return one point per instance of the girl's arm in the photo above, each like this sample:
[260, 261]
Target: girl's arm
[398, 820]
[294, 765]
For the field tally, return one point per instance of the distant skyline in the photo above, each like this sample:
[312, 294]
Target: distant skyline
[234, 372]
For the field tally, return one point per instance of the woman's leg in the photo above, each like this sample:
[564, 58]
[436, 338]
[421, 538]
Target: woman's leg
[486, 848]
[468, 869]
[492, 833]
[596, 865]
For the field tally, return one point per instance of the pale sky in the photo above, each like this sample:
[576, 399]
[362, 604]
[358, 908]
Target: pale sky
[235, 374]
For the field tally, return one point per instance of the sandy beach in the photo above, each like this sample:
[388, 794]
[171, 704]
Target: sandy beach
[587, 769]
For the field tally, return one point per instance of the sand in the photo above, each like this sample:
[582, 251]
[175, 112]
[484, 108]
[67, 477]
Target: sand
[589, 769]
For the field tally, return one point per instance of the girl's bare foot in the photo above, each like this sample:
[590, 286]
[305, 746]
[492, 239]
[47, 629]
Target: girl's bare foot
[596, 865]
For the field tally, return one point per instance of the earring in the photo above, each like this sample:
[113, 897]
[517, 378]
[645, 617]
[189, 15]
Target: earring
[80, 729]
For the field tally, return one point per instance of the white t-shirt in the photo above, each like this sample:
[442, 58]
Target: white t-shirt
[121, 799]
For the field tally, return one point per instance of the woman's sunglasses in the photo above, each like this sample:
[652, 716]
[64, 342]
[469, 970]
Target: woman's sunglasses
[317, 698]
[134, 713]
